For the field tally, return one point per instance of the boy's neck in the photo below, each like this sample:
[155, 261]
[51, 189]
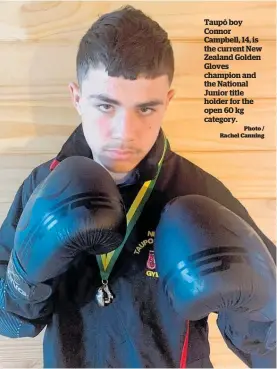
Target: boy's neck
[119, 178]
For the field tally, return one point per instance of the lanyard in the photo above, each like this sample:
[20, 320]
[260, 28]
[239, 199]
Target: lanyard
[107, 261]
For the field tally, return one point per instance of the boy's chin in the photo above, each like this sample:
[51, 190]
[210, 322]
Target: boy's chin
[119, 166]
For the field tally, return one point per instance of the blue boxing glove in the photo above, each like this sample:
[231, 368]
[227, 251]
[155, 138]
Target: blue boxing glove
[76, 209]
[211, 260]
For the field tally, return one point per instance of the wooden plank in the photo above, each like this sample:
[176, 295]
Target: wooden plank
[263, 212]
[15, 168]
[27, 73]
[29, 352]
[26, 162]
[44, 21]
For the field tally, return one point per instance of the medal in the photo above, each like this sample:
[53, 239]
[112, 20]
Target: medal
[104, 295]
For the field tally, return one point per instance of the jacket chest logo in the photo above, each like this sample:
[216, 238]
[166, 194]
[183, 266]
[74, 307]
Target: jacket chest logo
[148, 241]
[151, 262]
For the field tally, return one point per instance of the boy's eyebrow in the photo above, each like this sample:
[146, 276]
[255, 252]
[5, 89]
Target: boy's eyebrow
[108, 100]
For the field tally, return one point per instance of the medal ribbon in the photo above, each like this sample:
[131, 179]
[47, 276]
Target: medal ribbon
[107, 261]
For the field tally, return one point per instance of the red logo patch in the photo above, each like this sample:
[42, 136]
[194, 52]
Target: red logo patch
[151, 262]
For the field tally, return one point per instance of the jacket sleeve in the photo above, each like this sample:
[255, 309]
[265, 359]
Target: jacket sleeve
[240, 338]
[236, 334]
[17, 318]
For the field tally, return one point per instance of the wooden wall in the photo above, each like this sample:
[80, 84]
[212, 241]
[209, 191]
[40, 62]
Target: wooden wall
[38, 45]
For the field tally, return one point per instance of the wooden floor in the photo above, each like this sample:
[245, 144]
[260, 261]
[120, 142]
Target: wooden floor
[38, 44]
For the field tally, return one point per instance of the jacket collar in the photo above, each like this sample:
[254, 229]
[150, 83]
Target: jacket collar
[76, 145]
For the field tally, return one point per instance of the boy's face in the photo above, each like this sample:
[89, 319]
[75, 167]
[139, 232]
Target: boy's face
[121, 118]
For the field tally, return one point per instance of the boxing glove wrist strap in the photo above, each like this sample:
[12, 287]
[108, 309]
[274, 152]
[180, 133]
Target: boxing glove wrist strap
[107, 261]
[20, 288]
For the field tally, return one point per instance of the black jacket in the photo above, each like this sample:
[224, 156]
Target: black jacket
[139, 329]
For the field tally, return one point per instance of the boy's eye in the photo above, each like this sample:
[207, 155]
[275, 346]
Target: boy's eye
[104, 107]
[146, 110]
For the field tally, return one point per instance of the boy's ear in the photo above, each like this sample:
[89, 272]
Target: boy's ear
[75, 95]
